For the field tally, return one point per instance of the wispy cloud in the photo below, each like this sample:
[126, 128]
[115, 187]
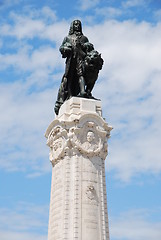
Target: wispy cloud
[6, 235]
[25, 221]
[122, 10]
[135, 225]
[133, 3]
[25, 101]
[8, 3]
[109, 12]
[86, 4]
[40, 24]
[157, 14]
[23, 123]
[1, 43]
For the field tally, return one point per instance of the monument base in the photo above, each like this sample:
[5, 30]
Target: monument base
[78, 147]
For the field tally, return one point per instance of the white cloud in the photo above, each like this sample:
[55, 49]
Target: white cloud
[27, 103]
[48, 13]
[24, 27]
[135, 225]
[31, 60]
[35, 23]
[109, 12]
[86, 4]
[25, 221]
[19, 236]
[8, 3]
[157, 15]
[131, 99]
[133, 3]
[23, 122]
[1, 43]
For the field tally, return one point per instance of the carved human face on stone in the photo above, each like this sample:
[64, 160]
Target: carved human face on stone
[90, 136]
[77, 26]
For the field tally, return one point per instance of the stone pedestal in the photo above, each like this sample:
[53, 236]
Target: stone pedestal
[78, 147]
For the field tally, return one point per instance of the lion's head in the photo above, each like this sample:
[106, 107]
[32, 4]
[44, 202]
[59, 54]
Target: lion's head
[93, 61]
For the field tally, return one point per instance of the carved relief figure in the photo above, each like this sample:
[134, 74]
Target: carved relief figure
[90, 143]
[91, 194]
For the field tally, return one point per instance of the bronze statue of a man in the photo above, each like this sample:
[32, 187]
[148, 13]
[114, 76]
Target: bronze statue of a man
[82, 64]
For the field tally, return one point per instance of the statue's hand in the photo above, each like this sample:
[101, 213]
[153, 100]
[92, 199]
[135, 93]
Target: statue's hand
[66, 50]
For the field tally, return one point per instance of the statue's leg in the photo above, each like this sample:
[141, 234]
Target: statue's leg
[62, 95]
[69, 89]
[79, 68]
[82, 87]
[90, 88]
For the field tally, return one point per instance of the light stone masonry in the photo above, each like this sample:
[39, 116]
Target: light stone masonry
[78, 147]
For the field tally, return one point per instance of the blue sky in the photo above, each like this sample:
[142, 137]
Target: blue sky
[128, 34]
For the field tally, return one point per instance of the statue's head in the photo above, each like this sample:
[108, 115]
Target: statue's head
[76, 26]
[93, 60]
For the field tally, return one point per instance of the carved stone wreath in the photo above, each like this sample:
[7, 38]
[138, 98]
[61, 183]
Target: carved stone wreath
[89, 139]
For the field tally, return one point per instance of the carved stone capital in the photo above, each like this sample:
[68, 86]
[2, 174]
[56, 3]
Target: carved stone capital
[87, 139]
[79, 129]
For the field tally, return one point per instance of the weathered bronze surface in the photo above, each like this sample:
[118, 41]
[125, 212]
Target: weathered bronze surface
[82, 66]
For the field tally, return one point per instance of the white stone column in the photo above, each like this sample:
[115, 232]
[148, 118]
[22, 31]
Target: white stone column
[78, 147]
